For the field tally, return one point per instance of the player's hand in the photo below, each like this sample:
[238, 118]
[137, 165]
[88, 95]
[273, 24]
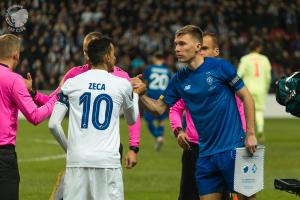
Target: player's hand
[28, 82]
[140, 89]
[138, 85]
[131, 159]
[183, 140]
[136, 81]
[251, 142]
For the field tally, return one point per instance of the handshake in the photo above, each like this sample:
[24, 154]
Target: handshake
[138, 85]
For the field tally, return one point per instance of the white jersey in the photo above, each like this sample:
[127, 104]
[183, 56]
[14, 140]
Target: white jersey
[95, 100]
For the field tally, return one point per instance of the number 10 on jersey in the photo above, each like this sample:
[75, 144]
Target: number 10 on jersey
[85, 99]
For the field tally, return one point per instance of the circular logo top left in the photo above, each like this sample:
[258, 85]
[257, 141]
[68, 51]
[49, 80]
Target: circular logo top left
[16, 17]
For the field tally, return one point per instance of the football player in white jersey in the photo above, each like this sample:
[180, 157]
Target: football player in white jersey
[95, 99]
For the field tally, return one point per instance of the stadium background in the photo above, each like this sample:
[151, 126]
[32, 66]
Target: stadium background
[55, 31]
[52, 43]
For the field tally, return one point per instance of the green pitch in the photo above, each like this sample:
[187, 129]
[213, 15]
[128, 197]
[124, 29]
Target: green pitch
[157, 175]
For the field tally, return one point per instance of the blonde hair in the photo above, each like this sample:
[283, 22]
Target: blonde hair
[192, 30]
[9, 43]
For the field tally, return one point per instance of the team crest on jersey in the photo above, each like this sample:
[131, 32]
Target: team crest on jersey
[210, 81]
[209, 78]
[187, 87]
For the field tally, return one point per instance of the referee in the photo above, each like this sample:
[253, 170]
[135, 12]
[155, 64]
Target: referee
[14, 97]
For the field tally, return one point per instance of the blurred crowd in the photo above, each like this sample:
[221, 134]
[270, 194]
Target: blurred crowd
[52, 41]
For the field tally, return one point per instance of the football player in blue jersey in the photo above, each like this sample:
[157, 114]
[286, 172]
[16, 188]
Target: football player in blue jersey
[208, 87]
[157, 76]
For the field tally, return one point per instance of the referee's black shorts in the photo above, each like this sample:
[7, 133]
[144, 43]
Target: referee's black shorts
[188, 188]
[9, 173]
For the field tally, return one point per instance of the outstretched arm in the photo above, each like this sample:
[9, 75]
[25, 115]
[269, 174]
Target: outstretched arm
[38, 97]
[156, 107]
[24, 102]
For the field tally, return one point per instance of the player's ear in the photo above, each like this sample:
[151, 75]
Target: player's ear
[198, 47]
[217, 51]
[107, 58]
[16, 57]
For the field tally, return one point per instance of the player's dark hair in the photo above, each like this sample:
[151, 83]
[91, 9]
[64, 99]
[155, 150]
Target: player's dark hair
[97, 49]
[192, 30]
[254, 44]
[214, 38]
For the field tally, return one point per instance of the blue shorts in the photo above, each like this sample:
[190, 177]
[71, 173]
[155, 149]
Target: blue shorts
[150, 117]
[215, 173]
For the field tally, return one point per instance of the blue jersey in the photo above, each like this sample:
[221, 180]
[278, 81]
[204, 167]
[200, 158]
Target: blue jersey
[208, 93]
[157, 77]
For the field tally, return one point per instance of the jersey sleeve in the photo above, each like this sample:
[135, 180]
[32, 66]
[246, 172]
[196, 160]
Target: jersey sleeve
[40, 98]
[66, 88]
[55, 127]
[230, 76]
[63, 99]
[127, 96]
[171, 94]
[175, 114]
[70, 74]
[130, 104]
[135, 132]
[25, 103]
[63, 94]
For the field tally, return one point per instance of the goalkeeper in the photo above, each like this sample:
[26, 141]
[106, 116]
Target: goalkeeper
[255, 70]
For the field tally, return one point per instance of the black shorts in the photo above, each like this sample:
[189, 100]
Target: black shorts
[9, 173]
[188, 188]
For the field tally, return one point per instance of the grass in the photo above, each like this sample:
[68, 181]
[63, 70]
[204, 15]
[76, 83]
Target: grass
[157, 175]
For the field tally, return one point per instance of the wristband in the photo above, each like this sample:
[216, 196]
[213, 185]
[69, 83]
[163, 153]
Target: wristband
[33, 93]
[135, 149]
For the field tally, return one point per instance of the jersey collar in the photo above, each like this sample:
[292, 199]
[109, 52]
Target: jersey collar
[4, 65]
